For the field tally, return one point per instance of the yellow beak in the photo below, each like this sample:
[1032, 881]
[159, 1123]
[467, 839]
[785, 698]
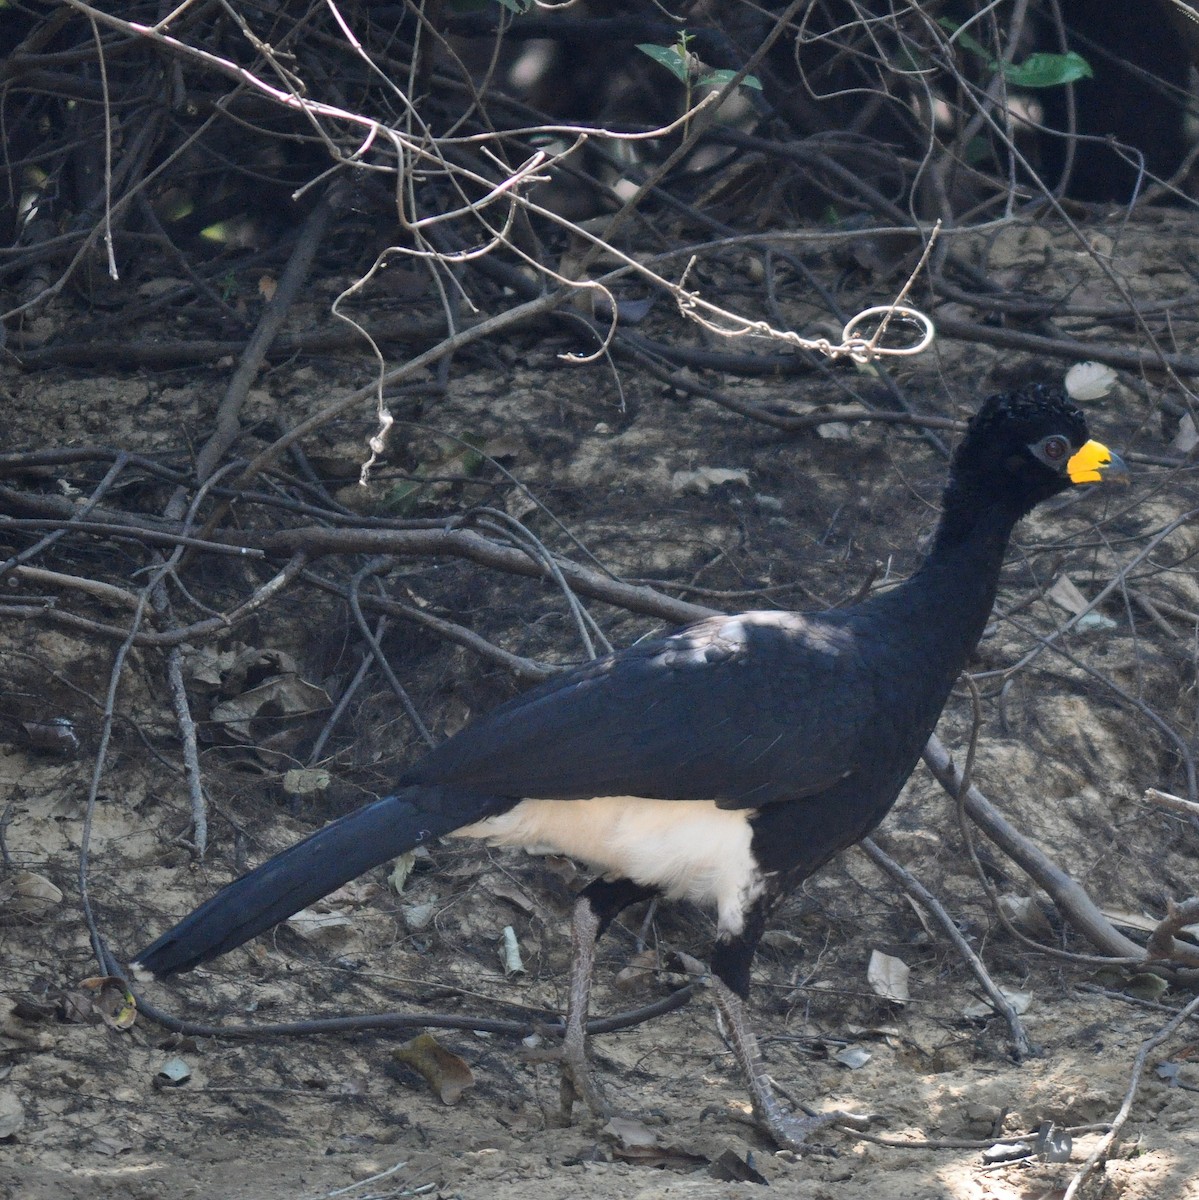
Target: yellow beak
[1095, 463]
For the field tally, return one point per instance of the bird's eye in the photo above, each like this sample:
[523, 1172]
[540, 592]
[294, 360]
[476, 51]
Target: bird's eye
[1055, 448]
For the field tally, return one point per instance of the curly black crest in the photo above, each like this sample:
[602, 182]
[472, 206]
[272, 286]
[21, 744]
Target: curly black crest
[1012, 419]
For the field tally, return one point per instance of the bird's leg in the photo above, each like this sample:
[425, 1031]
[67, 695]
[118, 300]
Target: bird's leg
[577, 1083]
[598, 903]
[784, 1127]
[732, 959]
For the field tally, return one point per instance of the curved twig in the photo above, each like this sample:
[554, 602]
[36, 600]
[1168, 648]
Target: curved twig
[1021, 1046]
[1103, 1150]
[1069, 896]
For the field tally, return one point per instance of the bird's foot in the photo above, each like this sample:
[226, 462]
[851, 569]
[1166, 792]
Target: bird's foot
[578, 1084]
[790, 1131]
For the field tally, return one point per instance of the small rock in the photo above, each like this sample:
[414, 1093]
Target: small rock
[12, 1115]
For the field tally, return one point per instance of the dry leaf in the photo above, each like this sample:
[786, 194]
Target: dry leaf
[1187, 437]
[446, 1073]
[880, 1031]
[888, 977]
[635, 1142]
[503, 890]
[1089, 381]
[735, 1168]
[629, 1132]
[853, 1057]
[56, 736]
[982, 1009]
[316, 926]
[418, 916]
[1073, 601]
[783, 939]
[111, 1146]
[507, 446]
[159, 286]
[206, 668]
[925, 923]
[306, 782]
[114, 1002]
[1064, 593]
[834, 431]
[172, 1073]
[1002, 1152]
[284, 695]
[25, 893]
[401, 868]
[76, 1008]
[702, 479]
[639, 970]
[353, 893]
[1146, 986]
[1026, 914]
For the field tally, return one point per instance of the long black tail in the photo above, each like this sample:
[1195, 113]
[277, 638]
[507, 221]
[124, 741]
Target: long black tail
[313, 868]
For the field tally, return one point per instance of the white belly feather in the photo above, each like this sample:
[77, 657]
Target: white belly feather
[688, 849]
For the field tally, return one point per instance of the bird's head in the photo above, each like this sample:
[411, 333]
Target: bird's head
[1025, 446]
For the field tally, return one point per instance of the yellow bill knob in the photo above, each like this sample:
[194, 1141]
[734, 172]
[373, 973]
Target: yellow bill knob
[1095, 463]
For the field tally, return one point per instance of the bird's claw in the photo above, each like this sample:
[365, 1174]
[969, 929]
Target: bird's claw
[578, 1084]
[791, 1131]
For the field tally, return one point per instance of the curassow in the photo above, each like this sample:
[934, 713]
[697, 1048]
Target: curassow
[722, 763]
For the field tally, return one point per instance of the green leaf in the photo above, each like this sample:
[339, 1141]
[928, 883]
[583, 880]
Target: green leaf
[401, 500]
[966, 41]
[668, 56]
[1048, 70]
[720, 78]
[1145, 986]
[472, 454]
[468, 454]
[978, 150]
[1040, 70]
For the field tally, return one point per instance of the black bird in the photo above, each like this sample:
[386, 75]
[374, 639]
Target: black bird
[723, 763]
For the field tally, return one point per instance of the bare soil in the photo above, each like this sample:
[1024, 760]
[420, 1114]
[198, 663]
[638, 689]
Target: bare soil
[809, 523]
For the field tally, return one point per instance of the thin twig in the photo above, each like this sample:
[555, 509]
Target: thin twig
[372, 641]
[1103, 1151]
[348, 693]
[191, 752]
[1021, 1046]
[1069, 896]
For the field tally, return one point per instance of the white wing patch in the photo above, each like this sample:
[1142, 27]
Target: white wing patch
[688, 849]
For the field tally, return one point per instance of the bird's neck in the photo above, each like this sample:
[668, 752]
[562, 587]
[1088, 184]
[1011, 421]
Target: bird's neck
[944, 607]
[972, 533]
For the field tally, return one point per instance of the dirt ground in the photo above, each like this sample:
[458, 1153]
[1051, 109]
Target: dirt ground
[805, 520]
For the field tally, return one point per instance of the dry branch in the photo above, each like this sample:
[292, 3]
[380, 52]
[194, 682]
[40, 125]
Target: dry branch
[1069, 896]
[129, 127]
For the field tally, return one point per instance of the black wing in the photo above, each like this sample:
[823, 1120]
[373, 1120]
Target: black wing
[742, 710]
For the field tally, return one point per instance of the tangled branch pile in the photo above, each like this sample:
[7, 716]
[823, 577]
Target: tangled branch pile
[403, 192]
